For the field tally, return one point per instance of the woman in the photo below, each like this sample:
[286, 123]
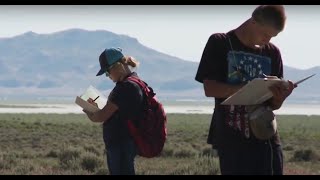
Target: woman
[124, 102]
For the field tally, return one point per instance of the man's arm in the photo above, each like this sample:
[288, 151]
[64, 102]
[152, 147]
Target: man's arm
[213, 88]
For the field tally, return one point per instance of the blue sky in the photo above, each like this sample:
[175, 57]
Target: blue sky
[178, 30]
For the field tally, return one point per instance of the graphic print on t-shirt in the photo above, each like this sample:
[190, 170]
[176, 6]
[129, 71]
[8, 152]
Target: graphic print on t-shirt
[243, 67]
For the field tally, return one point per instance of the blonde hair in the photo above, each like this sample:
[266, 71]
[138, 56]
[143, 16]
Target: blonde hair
[130, 61]
[122, 66]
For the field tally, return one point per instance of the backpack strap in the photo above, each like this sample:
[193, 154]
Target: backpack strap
[143, 85]
[137, 81]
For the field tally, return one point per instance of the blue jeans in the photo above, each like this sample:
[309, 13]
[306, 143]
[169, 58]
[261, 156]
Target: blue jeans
[120, 158]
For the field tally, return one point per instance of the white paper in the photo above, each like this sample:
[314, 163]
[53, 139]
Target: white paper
[92, 93]
[85, 105]
[255, 92]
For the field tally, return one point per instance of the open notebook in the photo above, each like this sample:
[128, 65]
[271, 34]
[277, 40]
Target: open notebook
[92, 93]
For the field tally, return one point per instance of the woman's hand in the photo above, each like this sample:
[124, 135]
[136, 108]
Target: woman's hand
[91, 101]
[90, 115]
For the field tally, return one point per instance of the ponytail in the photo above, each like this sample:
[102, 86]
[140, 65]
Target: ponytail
[130, 61]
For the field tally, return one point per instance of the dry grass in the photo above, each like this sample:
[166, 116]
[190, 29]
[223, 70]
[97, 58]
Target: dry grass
[71, 144]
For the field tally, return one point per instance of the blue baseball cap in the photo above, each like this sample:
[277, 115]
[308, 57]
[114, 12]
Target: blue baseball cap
[108, 57]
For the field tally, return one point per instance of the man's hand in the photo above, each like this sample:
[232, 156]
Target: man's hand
[280, 92]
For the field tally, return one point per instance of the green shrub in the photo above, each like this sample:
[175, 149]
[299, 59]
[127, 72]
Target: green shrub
[305, 155]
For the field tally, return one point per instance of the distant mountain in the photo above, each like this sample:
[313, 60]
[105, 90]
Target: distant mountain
[308, 91]
[64, 63]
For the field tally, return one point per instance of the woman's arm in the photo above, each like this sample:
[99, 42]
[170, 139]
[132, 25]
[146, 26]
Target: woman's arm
[104, 114]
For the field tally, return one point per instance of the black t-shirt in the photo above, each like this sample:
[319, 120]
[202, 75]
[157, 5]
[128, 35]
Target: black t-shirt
[129, 98]
[226, 59]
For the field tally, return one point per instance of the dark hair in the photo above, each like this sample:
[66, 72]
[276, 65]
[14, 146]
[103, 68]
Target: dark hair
[273, 15]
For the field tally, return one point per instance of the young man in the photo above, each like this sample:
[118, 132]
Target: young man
[229, 61]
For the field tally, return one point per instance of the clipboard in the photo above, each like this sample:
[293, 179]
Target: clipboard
[256, 91]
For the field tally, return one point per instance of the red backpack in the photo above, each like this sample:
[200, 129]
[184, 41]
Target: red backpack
[149, 132]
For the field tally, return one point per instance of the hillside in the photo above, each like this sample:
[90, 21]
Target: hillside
[64, 64]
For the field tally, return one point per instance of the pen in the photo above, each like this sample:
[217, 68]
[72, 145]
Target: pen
[298, 82]
[96, 98]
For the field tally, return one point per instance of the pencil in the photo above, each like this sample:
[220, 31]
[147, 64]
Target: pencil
[96, 98]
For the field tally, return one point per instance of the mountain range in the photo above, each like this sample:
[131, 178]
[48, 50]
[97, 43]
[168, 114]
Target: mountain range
[63, 64]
